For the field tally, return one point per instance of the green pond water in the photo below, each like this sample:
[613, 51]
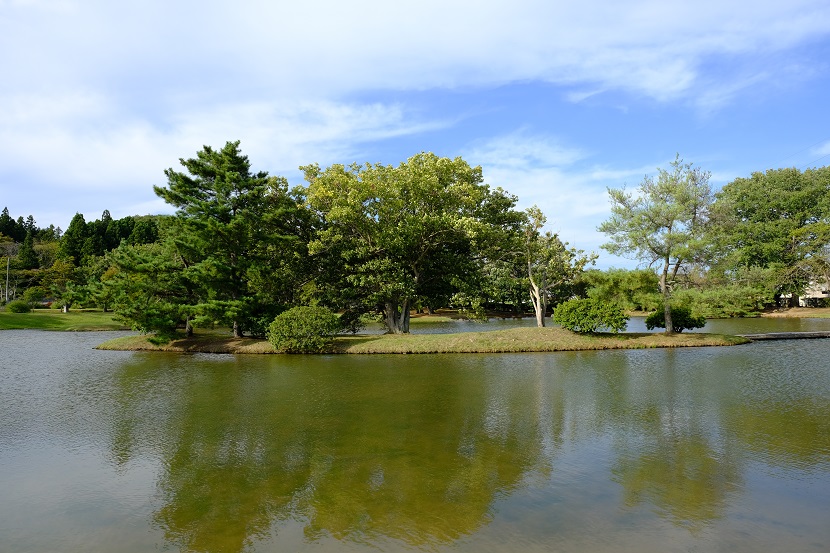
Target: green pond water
[700, 449]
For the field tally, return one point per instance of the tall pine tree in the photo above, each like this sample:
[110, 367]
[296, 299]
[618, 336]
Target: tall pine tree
[224, 219]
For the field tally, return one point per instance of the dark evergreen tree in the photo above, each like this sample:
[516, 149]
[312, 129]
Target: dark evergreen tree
[72, 242]
[27, 256]
[149, 288]
[224, 221]
[118, 230]
[144, 231]
[7, 224]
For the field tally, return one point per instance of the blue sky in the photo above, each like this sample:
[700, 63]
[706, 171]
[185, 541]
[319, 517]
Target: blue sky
[556, 100]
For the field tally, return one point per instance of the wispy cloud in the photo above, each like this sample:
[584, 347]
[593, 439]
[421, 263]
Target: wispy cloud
[560, 179]
[324, 47]
[821, 150]
[102, 95]
[85, 148]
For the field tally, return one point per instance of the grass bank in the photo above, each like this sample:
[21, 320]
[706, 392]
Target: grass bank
[53, 319]
[800, 313]
[494, 341]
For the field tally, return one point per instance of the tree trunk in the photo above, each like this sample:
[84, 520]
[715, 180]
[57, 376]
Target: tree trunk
[664, 288]
[237, 330]
[188, 326]
[537, 296]
[396, 316]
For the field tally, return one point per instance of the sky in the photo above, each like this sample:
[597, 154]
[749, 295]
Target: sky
[556, 100]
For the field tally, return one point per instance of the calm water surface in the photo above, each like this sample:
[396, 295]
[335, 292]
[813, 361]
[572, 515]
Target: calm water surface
[701, 449]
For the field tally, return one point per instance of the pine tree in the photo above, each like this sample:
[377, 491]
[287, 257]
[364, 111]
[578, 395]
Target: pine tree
[72, 241]
[27, 256]
[222, 224]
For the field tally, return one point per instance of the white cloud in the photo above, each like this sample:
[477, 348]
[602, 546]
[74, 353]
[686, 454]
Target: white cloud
[85, 150]
[323, 47]
[99, 96]
[821, 149]
[571, 192]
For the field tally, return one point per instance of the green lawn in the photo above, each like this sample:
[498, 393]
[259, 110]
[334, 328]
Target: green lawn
[53, 319]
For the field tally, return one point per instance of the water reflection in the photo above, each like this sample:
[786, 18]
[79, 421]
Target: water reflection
[356, 455]
[580, 451]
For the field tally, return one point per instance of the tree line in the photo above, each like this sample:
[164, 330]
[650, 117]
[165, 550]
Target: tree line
[429, 233]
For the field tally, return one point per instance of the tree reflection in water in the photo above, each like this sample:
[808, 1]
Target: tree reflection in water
[367, 454]
[419, 449]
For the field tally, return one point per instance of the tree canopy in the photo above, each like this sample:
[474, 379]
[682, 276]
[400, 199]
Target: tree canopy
[405, 234]
[778, 220]
[550, 263]
[426, 234]
[663, 223]
[227, 217]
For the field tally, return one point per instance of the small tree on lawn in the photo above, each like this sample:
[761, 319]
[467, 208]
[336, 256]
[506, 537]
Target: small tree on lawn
[550, 263]
[681, 316]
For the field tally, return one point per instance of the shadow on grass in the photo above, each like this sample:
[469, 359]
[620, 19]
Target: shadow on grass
[342, 343]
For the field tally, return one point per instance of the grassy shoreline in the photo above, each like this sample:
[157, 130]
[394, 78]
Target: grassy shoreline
[799, 313]
[512, 340]
[526, 339]
[52, 319]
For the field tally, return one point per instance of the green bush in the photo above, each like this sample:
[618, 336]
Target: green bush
[352, 321]
[588, 315]
[34, 296]
[303, 330]
[724, 301]
[681, 319]
[636, 290]
[18, 306]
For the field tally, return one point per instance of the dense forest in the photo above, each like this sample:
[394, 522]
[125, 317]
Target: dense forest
[387, 241]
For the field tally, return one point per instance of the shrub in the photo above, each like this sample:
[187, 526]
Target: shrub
[681, 319]
[34, 296]
[303, 330]
[352, 321]
[588, 315]
[18, 306]
[256, 324]
[636, 290]
[724, 301]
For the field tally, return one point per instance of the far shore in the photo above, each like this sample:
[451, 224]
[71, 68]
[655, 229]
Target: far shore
[799, 313]
[514, 340]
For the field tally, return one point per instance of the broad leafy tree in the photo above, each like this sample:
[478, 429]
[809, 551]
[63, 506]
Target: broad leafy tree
[663, 223]
[778, 220]
[61, 281]
[405, 235]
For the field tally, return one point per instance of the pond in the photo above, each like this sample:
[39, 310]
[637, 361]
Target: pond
[699, 449]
